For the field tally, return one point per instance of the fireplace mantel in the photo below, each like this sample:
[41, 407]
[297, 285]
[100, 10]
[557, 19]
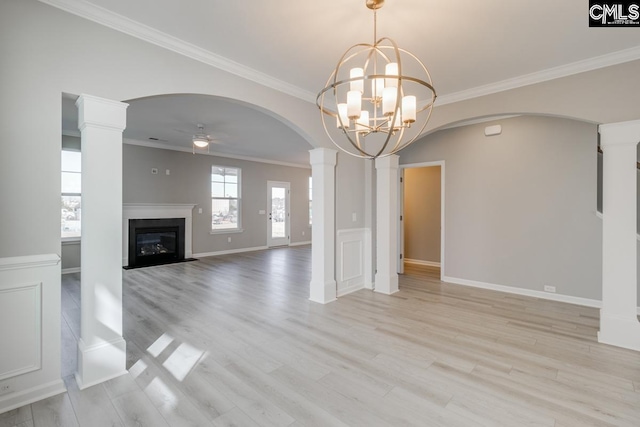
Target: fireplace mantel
[153, 211]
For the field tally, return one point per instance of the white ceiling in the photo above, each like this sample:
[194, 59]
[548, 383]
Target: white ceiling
[466, 44]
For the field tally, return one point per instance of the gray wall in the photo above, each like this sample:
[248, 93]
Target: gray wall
[350, 192]
[422, 213]
[520, 206]
[190, 182]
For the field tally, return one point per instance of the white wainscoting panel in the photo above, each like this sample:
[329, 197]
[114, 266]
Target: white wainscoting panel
[30, 333]
[21, 309]
[351, 248]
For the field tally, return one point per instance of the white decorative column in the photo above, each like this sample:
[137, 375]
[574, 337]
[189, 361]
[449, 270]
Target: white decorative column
[101, 347]
[323, 227]
[619, 324]
[386, 281]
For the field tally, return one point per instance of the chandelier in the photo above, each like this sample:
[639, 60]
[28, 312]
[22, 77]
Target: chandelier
[371, 107]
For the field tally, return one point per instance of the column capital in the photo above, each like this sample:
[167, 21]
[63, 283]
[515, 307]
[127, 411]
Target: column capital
[322, 156]
[388, 162]
[622, 133]
[100, 112]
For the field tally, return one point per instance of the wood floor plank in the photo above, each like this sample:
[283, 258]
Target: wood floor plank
[55, 411]
[92, 405]
[16, 417]
[136, 410]
[234, 340]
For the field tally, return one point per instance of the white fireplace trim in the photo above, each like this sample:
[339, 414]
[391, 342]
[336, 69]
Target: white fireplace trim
[155, 211]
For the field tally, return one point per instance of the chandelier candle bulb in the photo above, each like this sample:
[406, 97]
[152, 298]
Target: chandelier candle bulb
[362, 125]
[391, 69]
[342, 111]
[409, 109]
[389, 99]
[354, 104]
[377, 86]
[357, 84]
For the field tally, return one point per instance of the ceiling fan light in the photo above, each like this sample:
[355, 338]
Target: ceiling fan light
[200, 142]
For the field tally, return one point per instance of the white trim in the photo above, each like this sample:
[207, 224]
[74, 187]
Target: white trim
[65, 241]
[71, 270]
[421, 262]
[599, 215]
[162, 146]
[29, 261]
[151, 35]
[226, 231]
[443, 229]
[25, 397]
[585, 302]
[607, 60]
[306, 242]
[349, 290]
[230, 251]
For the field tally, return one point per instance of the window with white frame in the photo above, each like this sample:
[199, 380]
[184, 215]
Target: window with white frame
[225, 198]
[71, 208]
[310, 198]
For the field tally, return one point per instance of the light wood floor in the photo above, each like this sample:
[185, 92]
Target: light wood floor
[234, 341]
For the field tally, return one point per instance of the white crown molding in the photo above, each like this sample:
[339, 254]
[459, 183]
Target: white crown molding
[161, 146]
[614, 58]
[144, 32]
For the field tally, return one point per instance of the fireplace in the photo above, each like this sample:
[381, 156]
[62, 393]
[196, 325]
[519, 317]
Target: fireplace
[156, 241]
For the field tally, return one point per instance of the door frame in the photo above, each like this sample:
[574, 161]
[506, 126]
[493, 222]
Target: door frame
[285, 241]
[400, 224]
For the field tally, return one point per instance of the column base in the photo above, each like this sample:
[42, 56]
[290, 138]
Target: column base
[619, 331]
[100, 362]
[387, 285]
[323, 292]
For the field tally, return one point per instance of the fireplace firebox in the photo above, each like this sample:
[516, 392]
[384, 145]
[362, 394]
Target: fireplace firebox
[156, 241]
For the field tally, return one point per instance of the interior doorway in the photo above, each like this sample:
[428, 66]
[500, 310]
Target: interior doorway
[278, 223]
[421, 227]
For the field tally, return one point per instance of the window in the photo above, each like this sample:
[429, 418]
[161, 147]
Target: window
[225, 198]
[70, 209]
[310, 197]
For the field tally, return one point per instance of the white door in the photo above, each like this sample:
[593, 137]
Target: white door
[278, 213]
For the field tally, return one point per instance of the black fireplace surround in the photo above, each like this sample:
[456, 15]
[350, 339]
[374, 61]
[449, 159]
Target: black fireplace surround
[155, 241]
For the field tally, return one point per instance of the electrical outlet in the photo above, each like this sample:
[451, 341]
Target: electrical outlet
[549, 288]
[229, 239]
[5, 388]
[154, 171]
[303, 233]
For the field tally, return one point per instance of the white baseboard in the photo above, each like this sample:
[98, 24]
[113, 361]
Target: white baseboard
[585, 302]
[230, 251]
[12, 401]
[350, 289]
[308, 242]
[421, 262]
[71, 270]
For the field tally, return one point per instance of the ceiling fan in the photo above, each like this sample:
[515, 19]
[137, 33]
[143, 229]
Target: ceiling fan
[201, 139]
